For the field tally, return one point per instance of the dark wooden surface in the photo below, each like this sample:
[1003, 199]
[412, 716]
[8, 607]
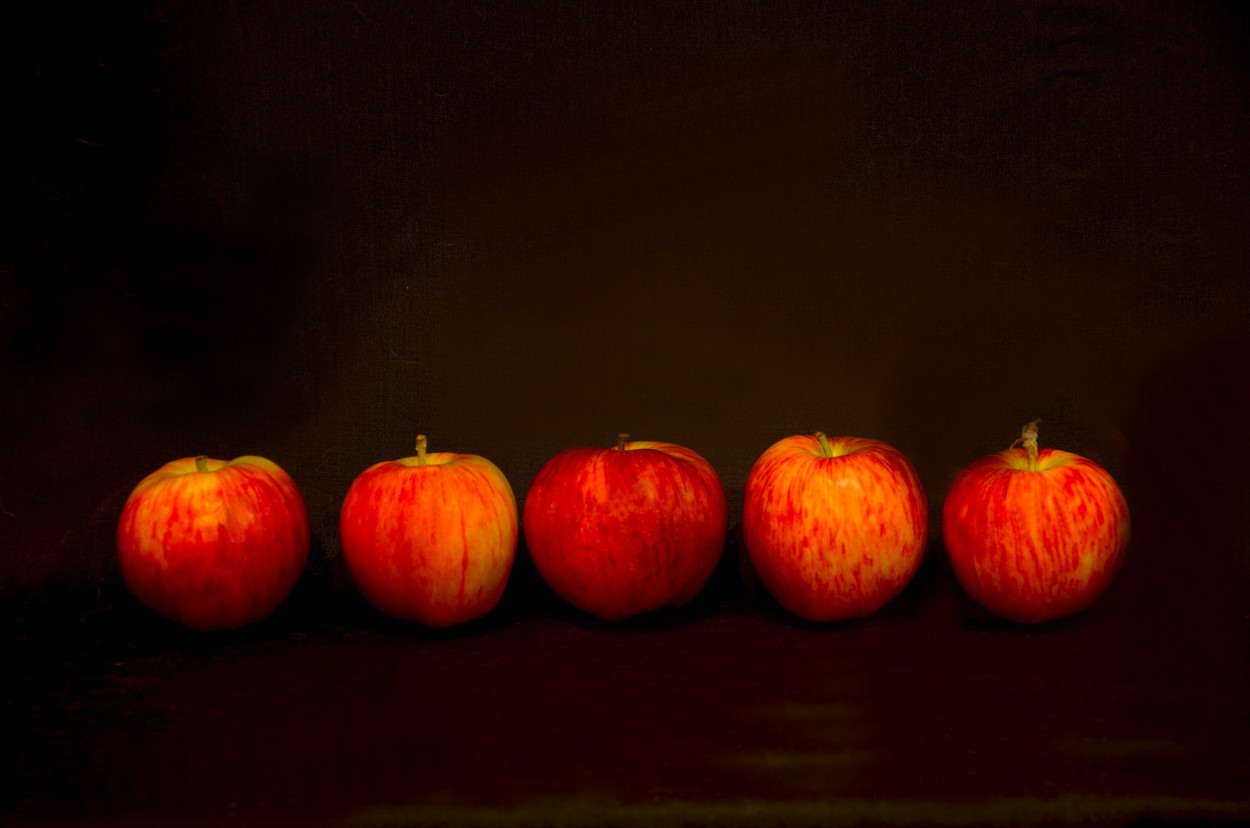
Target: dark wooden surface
[725, 712]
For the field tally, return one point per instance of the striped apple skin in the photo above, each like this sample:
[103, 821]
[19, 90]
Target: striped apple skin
[838, 537]
[213, 549]
[432, 542]
[1031, 546]
[619, 532]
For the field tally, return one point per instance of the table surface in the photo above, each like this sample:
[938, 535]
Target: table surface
[726, 711]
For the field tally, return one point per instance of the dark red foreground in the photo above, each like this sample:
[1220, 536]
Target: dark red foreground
[725, 712]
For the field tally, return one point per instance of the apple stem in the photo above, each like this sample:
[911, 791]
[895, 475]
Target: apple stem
[621, 440]
[201, 463]
[1028, 439]
[421, 444]
[825, 449]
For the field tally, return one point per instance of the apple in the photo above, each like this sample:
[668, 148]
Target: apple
[430, 538]
[1034, 534]
[625, 530]
[835, 527]
[213, 544]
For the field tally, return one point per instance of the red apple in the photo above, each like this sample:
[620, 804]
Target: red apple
[627, 530]
[835, 527]
[1034, 534]
[430, 538]
[213, 544]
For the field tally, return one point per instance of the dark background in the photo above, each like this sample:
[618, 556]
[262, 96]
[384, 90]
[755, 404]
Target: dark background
[311, 230]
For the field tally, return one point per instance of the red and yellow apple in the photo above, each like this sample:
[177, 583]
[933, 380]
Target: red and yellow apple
[621, 531]
[835, 527]
[1034, 534]
[213, 544]
[430, 538]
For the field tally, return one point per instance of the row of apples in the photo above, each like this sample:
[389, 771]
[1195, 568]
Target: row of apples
[834, 527]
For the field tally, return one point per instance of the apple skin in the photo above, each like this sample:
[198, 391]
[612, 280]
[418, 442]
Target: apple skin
[1031, 546]
[430, 538]
[627, 530]
[213, 544]
[834, 535]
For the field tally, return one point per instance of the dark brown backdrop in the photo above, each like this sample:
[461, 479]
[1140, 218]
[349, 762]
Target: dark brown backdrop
[311, 230]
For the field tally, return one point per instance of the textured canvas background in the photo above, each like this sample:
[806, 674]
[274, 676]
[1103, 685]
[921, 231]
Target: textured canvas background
[311, 230]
